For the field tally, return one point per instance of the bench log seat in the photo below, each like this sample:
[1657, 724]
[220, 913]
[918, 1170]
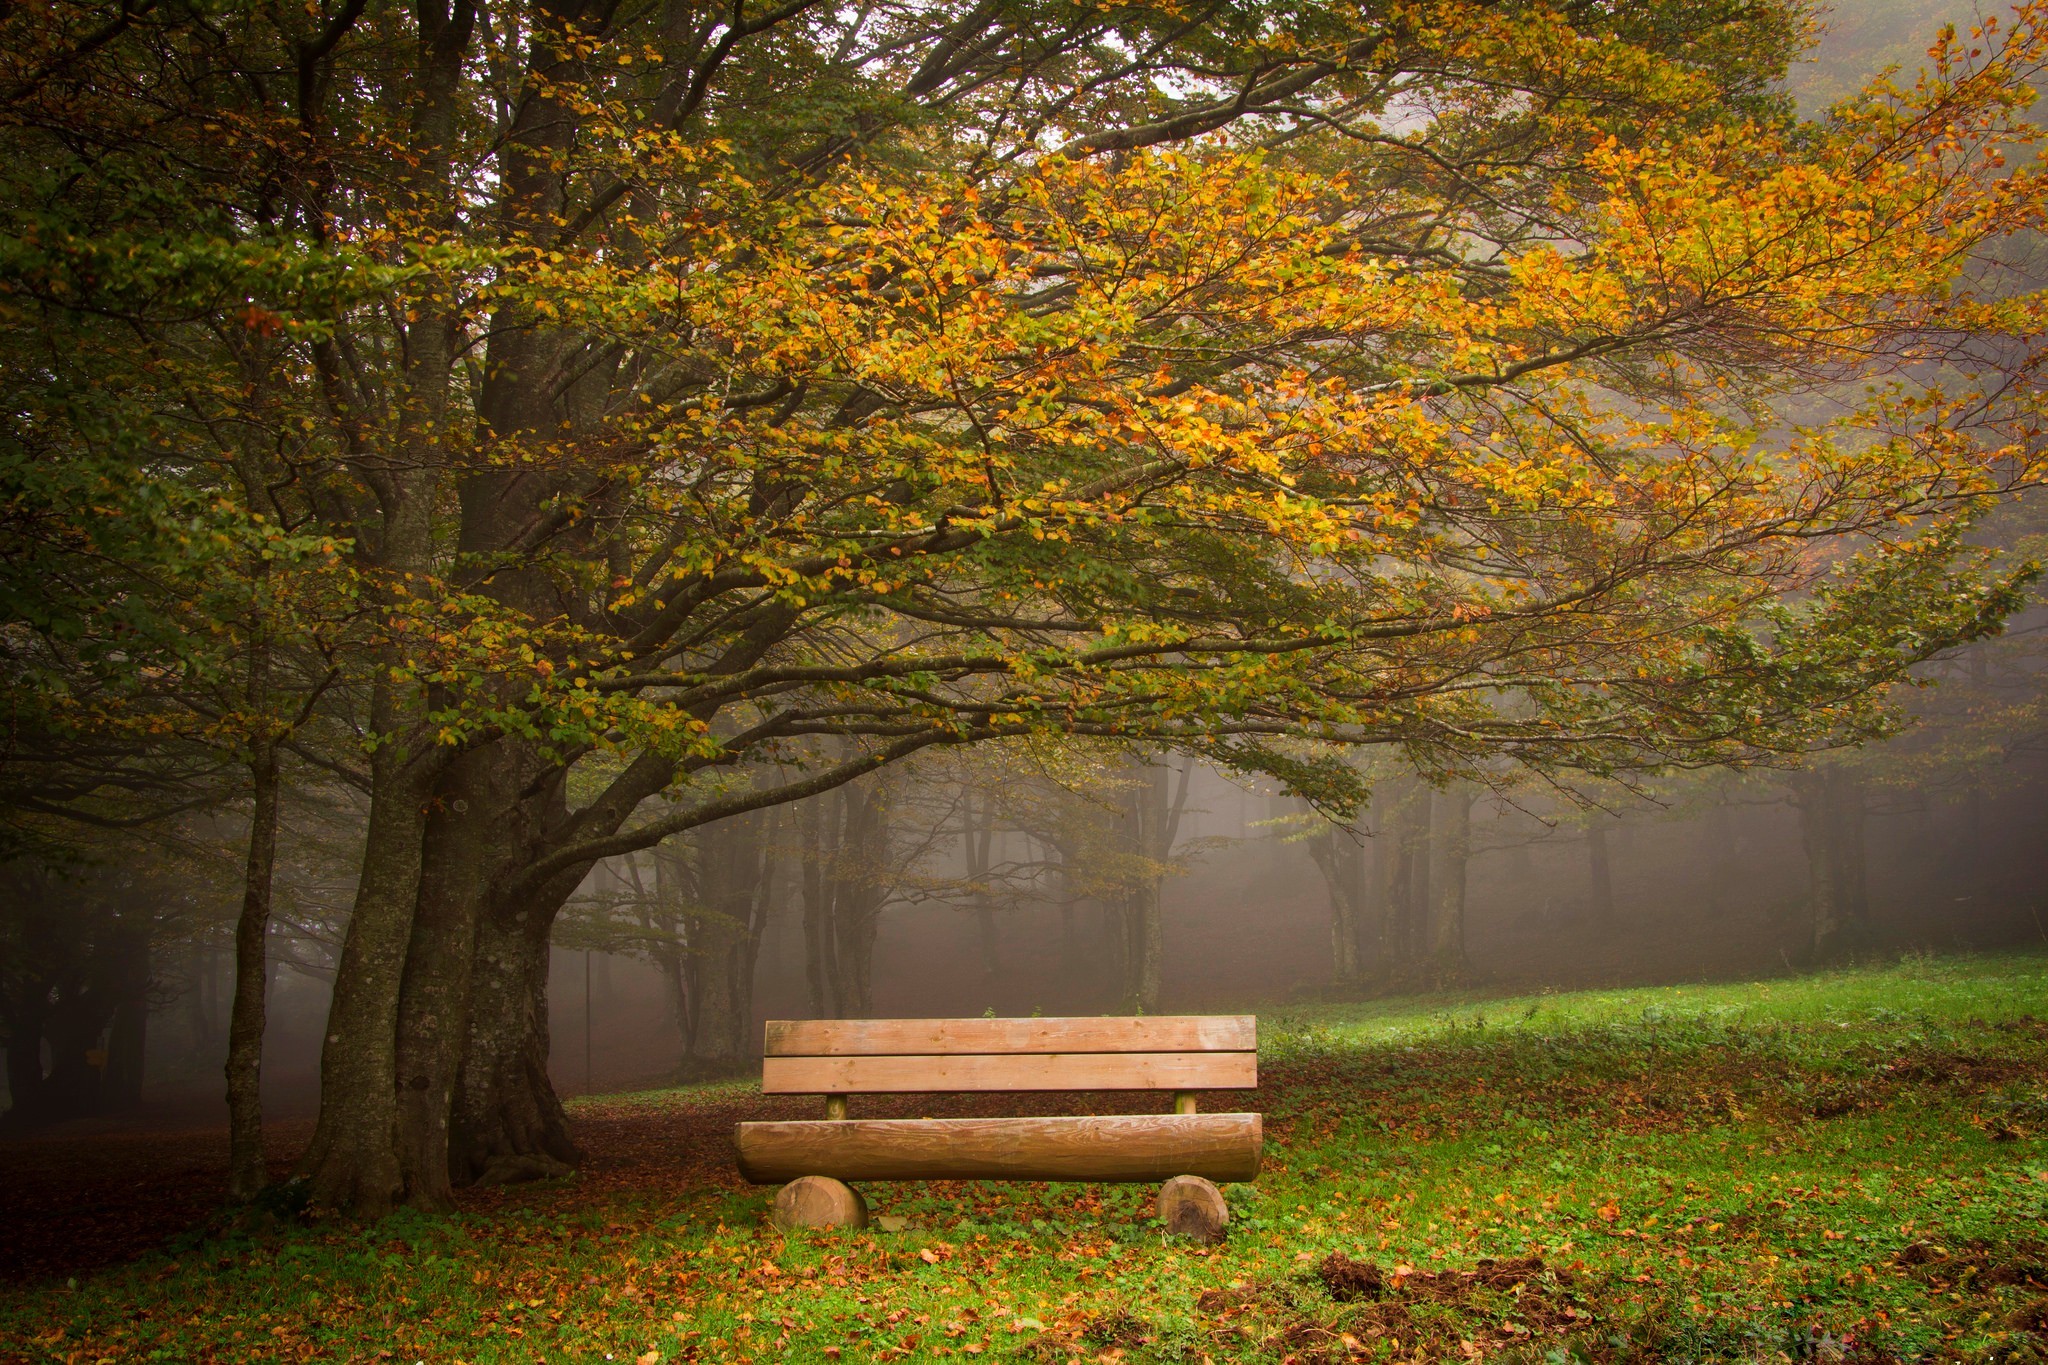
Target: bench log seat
[840, 1058]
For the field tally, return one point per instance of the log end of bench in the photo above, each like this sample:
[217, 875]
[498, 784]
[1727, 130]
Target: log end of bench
[1193, 1207]
[819, 1201]
[1118, 1147]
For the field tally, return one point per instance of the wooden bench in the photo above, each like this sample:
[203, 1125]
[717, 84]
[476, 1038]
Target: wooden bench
[839, 1058]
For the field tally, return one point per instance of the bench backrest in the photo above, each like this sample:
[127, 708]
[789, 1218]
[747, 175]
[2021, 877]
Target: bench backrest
[885, 1056]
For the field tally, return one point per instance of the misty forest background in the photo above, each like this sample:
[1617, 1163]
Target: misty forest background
[1070, 880]
[1010, 892]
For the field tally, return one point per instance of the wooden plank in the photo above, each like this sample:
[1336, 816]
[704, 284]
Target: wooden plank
[964, 1037]
[1108, 1147]
[1049, 1071]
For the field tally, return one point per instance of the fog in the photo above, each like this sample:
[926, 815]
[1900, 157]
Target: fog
[1681, 877]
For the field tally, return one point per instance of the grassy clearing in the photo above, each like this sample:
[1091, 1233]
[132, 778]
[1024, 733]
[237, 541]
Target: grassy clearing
[1844, 1167]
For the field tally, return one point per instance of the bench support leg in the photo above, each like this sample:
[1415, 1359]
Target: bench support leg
[1193, 1207]
[819, 1201]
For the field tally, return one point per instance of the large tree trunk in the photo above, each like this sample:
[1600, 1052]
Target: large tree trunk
[353, 1162]
[248, 1170]
[508, 1121]
[715, 1045]
[434, 998]
[121, 974]
[73, 1030]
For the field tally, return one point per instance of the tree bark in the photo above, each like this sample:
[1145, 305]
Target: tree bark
[353, 1161]
[1147, 949]
[434, 995]
[506, 1108]
[72, 1030]
[248, 1167]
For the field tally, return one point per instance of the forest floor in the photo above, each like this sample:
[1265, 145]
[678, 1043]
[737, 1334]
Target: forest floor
[1850, 1167]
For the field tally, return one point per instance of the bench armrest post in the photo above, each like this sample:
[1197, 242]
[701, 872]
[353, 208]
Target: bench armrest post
[835, 1106]
[1183, 1101]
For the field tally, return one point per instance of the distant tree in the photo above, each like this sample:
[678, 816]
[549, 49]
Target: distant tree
[81, 925]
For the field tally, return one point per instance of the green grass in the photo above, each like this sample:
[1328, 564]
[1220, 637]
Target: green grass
[1851, 1166]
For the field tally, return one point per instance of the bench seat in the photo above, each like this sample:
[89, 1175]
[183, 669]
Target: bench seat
[1112, 1147]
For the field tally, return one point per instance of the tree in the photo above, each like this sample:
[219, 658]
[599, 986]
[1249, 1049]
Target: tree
[169, 640]
[1451, 846]
[1152, 801]
[80, 926]
[1340, 855]
[696, 909]
[689, 387]
[1397, 883]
